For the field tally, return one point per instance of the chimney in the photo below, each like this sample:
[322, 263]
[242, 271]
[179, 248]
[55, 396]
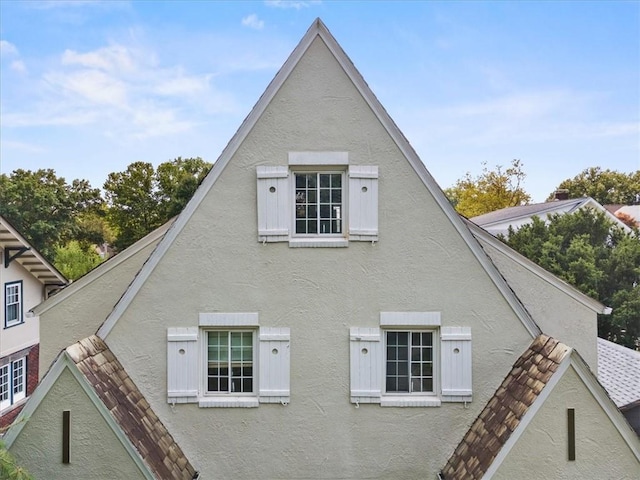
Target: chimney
[562, 194]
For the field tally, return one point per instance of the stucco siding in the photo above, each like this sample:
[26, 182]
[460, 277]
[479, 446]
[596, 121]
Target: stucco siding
[556, 313]
[216, 264]
[541, 451]
[38, 447]
[82, 313]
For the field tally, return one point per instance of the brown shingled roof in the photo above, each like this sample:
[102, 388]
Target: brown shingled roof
[130, 410]
[504, 411]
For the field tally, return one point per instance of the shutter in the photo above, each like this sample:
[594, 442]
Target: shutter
[363, 203]
[273, 204]
[274, 365]
[455, 347]
[182, 365]
[366, 365]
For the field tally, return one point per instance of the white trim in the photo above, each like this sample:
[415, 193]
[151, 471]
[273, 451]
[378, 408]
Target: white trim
[318, 242]
[410, 319]
[228, 401]
[228, 320]
[318, 158]
[270, 171]
[389, 400]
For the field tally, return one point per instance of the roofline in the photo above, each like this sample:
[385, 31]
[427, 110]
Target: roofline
[63, 362]
[318, 29]
[35, 252]
[537, 270]
[544, 209]
[595, 388]
[101, 269]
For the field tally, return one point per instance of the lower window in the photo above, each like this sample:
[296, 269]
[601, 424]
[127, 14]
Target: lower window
[12, 382]
[230, 360]
[409, 362]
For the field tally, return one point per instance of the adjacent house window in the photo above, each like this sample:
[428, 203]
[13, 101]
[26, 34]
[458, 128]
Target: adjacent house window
[409, 362]
[317, 200]
[13, 303]
[12, 382]
[215, 364]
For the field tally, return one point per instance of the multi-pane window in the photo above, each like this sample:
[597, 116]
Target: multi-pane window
[230, 362]
[409, 362]
[12, 382]
[13, 303]
[318, 203]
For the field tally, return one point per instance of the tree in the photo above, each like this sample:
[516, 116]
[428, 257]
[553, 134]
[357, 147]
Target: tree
[594, 255]
[9, 469]
[141, 199]
[45, 208]
[606, 187]
[489, 191]
[74, 260]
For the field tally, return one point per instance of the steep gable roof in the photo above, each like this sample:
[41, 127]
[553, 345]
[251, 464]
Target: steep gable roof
[319, 30]
[505, 417]
[619, 373]
[120, 402]
[17, 248]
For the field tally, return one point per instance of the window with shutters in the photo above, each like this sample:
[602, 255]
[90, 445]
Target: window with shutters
[409, 362]
[228, 360]
[317, 200]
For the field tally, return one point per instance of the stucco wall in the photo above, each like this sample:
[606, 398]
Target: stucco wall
[557, 314]
[541, 452]
[82, 313]
[217, 265]
[24, 335]
[39, 446]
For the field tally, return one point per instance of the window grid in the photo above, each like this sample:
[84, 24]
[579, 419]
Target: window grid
[13, 302]
[4, 385]
[409, 363]
[230, 361]
[18, 377]
[318, 203]
[12, 382]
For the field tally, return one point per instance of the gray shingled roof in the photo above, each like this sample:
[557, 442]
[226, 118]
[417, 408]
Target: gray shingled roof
[121, 397]
[536, 209]
[619, 372]
[503, 413]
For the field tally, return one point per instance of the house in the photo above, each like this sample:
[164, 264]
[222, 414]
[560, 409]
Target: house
[619, 373]
[27, 279]
[499, 221]
[319, 310]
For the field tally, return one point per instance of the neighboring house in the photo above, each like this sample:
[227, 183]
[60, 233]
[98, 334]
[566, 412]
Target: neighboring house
[499, 221]
[619, 373]
[26, 279]
[625, 211]
[319, 310]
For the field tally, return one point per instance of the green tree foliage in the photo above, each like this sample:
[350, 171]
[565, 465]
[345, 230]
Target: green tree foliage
[75, 259]
[588, 251]
[606, 187]
[45, 208]
[141, 199]
[9, 469]
[489, 191]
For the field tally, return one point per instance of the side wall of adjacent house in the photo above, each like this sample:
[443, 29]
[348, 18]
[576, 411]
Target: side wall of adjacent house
[95, 451]
[556, 313]
[82, 312]
[542, 450]
[216, 264]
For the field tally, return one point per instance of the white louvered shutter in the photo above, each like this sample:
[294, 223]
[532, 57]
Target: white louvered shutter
[363, 203]
[273, 203]
[366, 364]
[455, 347]
[274, 365]
[182, 365]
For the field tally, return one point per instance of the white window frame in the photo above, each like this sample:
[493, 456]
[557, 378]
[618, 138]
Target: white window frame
[9, 383]
[17, 285]
[205, 362]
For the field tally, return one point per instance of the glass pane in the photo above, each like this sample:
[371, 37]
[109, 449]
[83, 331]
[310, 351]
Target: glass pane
[403, 384]
[403, 338]
[392, 385]
[301, 226]
[336, 196]
[403, 353]
[427, 339]
[324, 181]
[311, 180]
[392, 368]
[325, 226]
[336, 180]
[312, 212]
[324, 196]
[427, 370]
[325, 211]
[426, 354]
[416, 370]
[416, 385]
[392, 338]
[415, 354]
[427, 385]
[312, 227]
[403, 368]
[247, 385]
[301, 181]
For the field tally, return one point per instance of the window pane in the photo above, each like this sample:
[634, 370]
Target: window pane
[336, 180]
[324, 181]
[301, 181]
[324, 196]
[336, 196]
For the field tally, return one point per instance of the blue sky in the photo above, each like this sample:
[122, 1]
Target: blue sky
[88, 87]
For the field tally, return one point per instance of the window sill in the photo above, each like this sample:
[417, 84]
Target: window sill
[14, 324]
[410, 401]
[319, 242]
[227, 402]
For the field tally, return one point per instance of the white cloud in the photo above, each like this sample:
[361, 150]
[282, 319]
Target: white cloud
[115, 57]
[18, 66]
[7, 48]
[22, 147]
[252, 21]
[297, 4]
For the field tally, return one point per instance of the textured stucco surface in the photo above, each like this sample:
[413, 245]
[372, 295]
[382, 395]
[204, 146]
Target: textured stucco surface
[557, 314]
[217, 265]
[541, 451]
[82, 313]
[38, 447]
